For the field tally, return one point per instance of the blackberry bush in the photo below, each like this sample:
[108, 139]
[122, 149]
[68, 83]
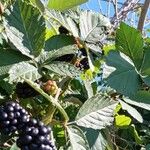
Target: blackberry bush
[43, 41]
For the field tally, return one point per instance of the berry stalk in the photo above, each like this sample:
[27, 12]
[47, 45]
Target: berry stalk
[49, 98]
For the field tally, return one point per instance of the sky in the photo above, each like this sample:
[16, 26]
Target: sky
[102, 7]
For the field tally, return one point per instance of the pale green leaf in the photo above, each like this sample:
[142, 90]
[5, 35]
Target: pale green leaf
[64, 4]
[25, 28]
[122, 120]
[21, 71]
[77, 138]
[130, 42]
[96, 112]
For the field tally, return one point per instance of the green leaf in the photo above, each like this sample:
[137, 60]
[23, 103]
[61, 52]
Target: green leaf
[77, 138]
[96, 112]
[63, 69]
[58, 41]
[120, 74]
[132, 111]
[57, 17]
[140, 99]
[145, 68]
[64, 4]
[8, 58]
[122, 120]
[47, 57]
[14, 147]
[25, 28]
[88, 88]
[98, 139]
[38, 4]
[130, 42]
[93, 27]
[21, 71]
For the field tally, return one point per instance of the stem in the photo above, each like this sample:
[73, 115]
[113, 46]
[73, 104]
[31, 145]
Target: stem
[49, 116]
[143, 15]
[49, 98]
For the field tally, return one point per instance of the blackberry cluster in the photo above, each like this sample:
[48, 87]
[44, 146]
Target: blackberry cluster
[12, 116]
[23, 90]
[35, 136]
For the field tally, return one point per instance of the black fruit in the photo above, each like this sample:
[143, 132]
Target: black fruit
[36, 136]
[63, 30]
[12, 117]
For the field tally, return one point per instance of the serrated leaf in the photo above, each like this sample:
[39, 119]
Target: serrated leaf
[98, 139]
[64, 4]
[140, 99]
[120, 74]
[25, 28]
[77, 138]
[96, 112]
[64, 20]
[132, 111]
[93, 26]
[59, 41]
[8, 58]
[63, 69]
[122, 120]
[47, 57]
[130, 42]
[21, 71]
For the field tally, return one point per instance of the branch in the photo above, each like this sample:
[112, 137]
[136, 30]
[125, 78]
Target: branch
[143, 15]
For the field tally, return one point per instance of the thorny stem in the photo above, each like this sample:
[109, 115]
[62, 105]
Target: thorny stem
[49, 98]
[143, 15]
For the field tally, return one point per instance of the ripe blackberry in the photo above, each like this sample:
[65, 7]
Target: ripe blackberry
[83, 64]
[35, 136]
[63, 30]
[11, 117]
[23, 90]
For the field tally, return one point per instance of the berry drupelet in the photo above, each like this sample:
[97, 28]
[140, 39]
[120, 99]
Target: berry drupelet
[35, 136]
[12, 116]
